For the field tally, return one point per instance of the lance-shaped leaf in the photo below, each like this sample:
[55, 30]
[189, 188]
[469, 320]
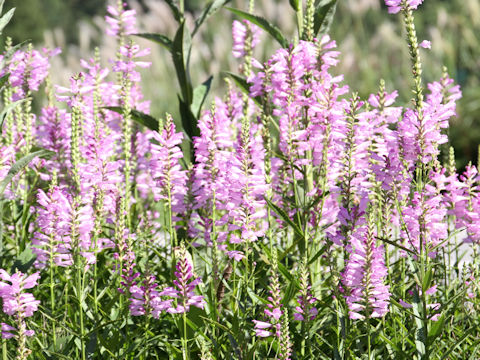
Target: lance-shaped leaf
[21, 164]
[264, 24]
[14, 170]
[8, 109]
[189, 121]
[199, 95]
[5, 19]
[280, 212]
[323, 17]
[209, 10]
[295, 4]
[181, 53]
[138, 116]
[175, 10]
[157, 38]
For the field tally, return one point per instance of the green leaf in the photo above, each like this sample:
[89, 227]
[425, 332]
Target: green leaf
[436, 329]
[138, 116]
[427, 280]
[5, 19]
[280, 212]
[295, 4]
[199, 95]
[20, 165]
[4, 79]
[397, 245]
[7, 110]
[243, 86]
[264, 24]
[157, 38]
[209, 10]
[1, 5]
[324, 13]
[189, 121]
[421, 335]
[175, 10]
[24, 261]
[181, 53]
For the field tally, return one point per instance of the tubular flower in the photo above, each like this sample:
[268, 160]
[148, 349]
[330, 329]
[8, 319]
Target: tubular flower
[52, 241]
[165, 169]
[121, 22]
[17, 302]
[183, 291]
[240, 32]
[363, 278]
[394, 6]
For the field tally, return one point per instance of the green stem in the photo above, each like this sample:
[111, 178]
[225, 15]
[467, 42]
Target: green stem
[184, 340]
[52, 302]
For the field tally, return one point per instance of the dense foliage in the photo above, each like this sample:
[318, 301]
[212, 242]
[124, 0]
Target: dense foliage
[292, 218]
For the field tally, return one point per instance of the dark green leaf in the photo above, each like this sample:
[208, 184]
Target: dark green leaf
[20, 165]
[158, 38]
[436, 329]
[24, 261]
[138, 116]
[7, 110]
[323, 17]
[280, 212]
[209, 10]
[4, 79]
[264, 24]
[295, 4]
[175, 10]
[243, 85]
[180, 53]
[5, 19]
[199, 95]
[397, 245]
[421, 331]
[189, 121]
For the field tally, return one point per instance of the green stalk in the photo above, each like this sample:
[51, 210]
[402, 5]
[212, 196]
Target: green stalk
[52, 301]
[4, 349]
[186, 355]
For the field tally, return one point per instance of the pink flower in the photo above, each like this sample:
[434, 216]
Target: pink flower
[121, 21]
[183, 291]
[394, 6]
[240, 32]
[426, 44]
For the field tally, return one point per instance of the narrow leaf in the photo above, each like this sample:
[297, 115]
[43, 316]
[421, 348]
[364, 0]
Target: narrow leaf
[209, 10]
[175, 10]
[264, 24]
[24, 261]
[4, 79]
[5, 19]
[20, 165]
[199, 95]
[295, 4]
[280, 212]
[158, 38]
[7, 110]
[180, 53]
[323, 17]
[189, 121]
[138, 116]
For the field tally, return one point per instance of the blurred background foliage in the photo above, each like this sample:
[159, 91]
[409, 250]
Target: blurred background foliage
[371, 42]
